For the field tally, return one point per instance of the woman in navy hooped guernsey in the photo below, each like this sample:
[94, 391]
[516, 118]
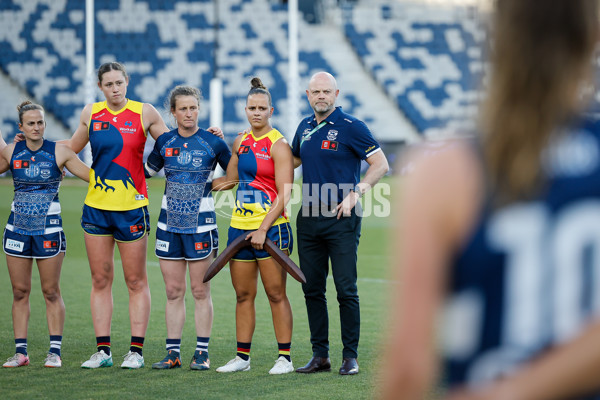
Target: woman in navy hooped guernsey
[502, 233]
[262, 162]
[34, 228]
[187, 234]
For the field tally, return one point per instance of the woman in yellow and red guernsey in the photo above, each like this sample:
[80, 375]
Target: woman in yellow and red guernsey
[115, 209]
[262, 163]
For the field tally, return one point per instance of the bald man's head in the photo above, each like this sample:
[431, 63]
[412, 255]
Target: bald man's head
[322, 93]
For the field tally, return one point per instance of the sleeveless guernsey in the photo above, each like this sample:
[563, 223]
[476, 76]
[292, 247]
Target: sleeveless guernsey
[117, 139]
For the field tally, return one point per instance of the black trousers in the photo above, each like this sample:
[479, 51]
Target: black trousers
[321, 239]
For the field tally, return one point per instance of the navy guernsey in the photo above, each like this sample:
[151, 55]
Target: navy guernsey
[528, 276]
[189, 163]
[35, 209]
[331, 154]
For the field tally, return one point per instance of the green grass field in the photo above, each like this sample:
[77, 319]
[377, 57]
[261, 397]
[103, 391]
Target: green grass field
[71, 381]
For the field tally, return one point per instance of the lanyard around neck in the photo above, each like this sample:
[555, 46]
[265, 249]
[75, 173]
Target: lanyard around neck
[313, 131]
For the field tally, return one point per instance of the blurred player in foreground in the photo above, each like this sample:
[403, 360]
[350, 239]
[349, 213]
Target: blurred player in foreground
[503, 232]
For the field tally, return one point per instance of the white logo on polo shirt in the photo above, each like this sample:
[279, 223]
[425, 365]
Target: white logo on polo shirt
[14, 245]
[161, 245]
[332, 134]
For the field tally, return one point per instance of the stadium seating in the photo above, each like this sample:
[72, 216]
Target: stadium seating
[162, 43]
[427, 59]
[428, 62]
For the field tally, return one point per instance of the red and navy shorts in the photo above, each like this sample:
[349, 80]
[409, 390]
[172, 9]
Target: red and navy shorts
[124, 226]
[280, 234]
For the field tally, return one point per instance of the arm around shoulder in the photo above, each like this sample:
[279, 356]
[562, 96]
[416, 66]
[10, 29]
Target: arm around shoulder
[81, 135]
[231, 175]
[5, 156]
[67, 158]
[153, 122]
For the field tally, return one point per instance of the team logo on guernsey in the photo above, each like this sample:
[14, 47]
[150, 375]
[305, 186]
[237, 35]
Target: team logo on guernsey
[136, 228]
[184, 158]
[45, 173]
[50, 244]
[243, 149]
[202, 245]
[18, 164]
[197, 161]
[172, 152]
[332, 135]
[329, 145]
[101, 126]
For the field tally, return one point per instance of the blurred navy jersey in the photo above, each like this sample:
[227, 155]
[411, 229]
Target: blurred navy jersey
[35, 209]
[189, 163]
[528, 277]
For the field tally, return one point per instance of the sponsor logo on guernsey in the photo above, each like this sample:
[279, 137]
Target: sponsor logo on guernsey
[14, 245]
[128, 128]
[209, 220]
[140, 197]
[243, 149]
[201, 245]
[332, 135]
[329, 145]
[32, 158]
[263, 156]
[54, 221]
[114, 119]
[184, 158]
[136, 228]
[161, 245]
[185, 145]
[44, 164]
[370, 148]
[172, 152]
[101, 126]
[50, 244]
[18, 164]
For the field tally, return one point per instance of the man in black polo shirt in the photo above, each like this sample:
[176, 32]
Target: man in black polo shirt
[330, 146]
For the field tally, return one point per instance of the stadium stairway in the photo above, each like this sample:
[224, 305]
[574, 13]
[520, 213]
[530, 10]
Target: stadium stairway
[356, 85]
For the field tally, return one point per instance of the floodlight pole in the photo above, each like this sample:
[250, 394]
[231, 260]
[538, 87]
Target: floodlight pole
[90, 90]
[216, 85]
[293, 78]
